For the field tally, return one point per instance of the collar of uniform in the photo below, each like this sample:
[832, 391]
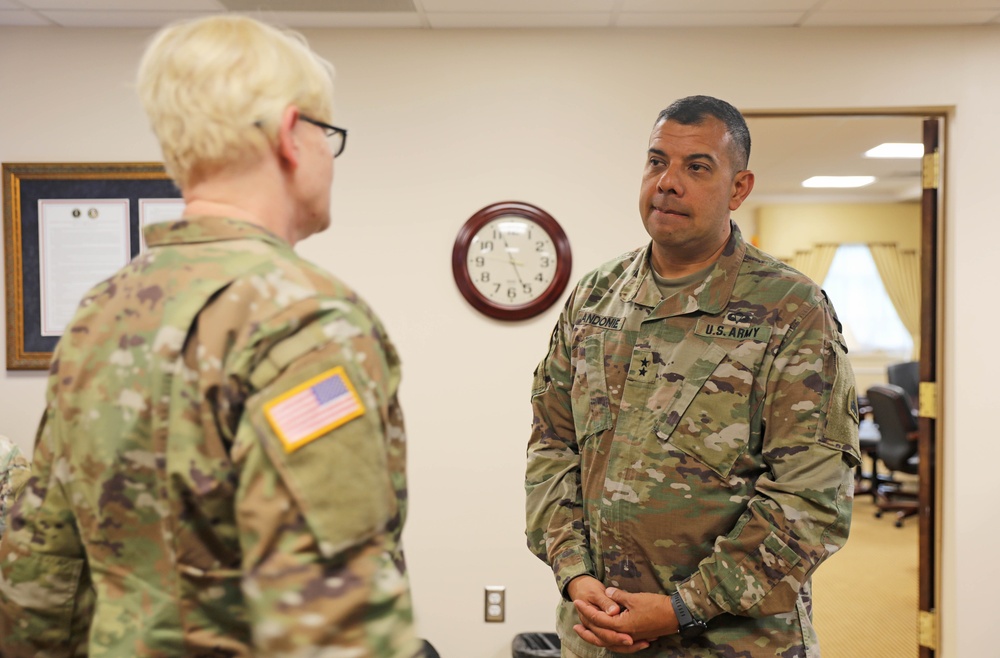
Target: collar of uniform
[710, 296]
[206, 229]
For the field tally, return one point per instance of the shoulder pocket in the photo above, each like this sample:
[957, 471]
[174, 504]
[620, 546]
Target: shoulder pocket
[340, 479]
[840, 430]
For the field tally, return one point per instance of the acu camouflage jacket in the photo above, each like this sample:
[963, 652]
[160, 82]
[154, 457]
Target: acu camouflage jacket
[700, 443]
[168, 513]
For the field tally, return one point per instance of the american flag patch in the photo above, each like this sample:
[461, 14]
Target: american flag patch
[312, 409]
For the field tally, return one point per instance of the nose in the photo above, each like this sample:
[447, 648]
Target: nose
[668, 181]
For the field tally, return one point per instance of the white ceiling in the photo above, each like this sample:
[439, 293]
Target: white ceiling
[444, 14]
[785, 151]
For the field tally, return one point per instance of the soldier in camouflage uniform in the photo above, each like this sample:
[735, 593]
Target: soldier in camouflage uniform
[14, 470]
[695, 425]
[220, 467]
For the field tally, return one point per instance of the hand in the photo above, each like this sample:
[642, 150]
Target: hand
[590, 598]
[643, 618]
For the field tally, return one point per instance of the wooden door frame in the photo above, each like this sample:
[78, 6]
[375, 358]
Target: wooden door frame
[931, 359]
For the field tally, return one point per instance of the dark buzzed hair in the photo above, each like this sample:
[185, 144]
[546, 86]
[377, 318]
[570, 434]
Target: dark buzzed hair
[693, 110]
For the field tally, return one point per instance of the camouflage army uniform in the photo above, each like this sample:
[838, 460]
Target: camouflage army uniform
[700, 443]
[161, 481]
[14, 469]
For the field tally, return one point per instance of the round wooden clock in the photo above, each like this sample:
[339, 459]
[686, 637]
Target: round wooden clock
[511, 260]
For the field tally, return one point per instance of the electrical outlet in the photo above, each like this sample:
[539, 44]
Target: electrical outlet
[495, 602]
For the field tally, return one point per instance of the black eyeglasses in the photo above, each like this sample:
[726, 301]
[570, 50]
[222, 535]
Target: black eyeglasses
[337, 136]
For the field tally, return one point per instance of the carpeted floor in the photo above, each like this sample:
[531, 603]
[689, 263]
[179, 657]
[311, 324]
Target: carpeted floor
[866, 594]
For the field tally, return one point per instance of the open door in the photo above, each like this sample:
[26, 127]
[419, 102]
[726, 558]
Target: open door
[929, 388]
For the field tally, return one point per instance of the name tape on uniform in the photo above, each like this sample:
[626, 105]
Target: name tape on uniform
[603, 321]
[715, 329]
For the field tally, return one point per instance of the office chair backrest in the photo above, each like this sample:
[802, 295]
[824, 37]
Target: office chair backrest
[893, 415]
[906, 376]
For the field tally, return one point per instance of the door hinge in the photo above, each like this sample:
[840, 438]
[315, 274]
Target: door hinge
[928, 629]
[931, 170]
[928, 400]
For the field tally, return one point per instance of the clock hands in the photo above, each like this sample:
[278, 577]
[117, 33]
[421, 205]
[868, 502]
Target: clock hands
[513, 263]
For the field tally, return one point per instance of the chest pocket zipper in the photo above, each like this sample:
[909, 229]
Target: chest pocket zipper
[708, 418]
[591, 405]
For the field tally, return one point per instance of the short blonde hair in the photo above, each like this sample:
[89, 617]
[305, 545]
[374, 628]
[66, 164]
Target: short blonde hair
[214, 89]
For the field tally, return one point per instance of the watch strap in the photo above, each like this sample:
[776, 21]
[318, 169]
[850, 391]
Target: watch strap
[681, 610]
[687, 625]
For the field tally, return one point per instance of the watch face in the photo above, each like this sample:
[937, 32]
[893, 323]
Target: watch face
[511, 260]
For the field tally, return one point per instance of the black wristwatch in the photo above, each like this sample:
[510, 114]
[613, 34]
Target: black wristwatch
[689, 626]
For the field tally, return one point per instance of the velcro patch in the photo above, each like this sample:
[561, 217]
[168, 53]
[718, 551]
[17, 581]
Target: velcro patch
[603, 321]
[714, 329]
[314, 408]
[852, 406]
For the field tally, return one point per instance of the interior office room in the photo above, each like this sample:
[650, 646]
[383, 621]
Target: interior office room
[451, 112]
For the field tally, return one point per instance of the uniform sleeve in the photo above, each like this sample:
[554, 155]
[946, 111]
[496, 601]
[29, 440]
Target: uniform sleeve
[554, 501]
[317, 507]
[14, 471]
[45, 594]
[801, 512]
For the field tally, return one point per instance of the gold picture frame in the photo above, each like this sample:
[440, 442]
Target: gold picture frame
[25, 185]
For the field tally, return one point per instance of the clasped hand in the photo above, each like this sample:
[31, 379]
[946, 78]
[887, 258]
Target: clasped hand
[617, 620]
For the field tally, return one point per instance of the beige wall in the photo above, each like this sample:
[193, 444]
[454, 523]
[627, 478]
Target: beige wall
[784, 229]
[445, 122]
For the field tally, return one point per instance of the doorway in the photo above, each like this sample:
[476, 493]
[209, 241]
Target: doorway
[789, 147]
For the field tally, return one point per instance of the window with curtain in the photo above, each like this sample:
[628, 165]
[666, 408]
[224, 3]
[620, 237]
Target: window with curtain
[871, 323]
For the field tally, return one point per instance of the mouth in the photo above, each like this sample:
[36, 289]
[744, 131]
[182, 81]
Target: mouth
[670, 212]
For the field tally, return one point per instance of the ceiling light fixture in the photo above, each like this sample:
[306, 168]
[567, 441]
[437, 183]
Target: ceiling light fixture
[896, 150]
[838, 181]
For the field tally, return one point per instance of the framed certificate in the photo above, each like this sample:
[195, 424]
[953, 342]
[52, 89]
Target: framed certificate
[66, 228]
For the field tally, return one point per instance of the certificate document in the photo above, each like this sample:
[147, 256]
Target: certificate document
[152, 211]
[81, 243]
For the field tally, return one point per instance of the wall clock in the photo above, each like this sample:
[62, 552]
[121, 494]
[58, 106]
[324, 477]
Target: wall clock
[511, 260]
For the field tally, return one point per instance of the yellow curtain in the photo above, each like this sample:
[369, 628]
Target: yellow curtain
[815, 262]
[900, 272]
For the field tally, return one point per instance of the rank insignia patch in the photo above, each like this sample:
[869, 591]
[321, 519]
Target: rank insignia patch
[312, 409]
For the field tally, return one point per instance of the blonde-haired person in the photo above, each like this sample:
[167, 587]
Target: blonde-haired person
[222, 453]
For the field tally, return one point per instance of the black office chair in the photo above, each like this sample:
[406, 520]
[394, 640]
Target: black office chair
[867, 481]
[906, 376]
[897, 448]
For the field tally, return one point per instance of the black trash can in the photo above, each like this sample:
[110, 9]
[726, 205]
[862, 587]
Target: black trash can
[536, 645]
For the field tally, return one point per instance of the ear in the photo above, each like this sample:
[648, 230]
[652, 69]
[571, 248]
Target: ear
[288, 145]
[742, 185]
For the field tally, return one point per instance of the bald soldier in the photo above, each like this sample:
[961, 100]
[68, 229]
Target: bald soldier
[690, 460]
[221, 460]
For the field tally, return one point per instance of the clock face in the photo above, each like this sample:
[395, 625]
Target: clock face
[511, 260]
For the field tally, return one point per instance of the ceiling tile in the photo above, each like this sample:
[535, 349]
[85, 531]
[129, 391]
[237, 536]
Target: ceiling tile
[897, 18]
[337, 6]
[301, 20]
[907, 6]
[706, 6]
[124, 5]
[709, 19]
[117, 18]
[505, 6]
[516, 20]
[20, 18]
